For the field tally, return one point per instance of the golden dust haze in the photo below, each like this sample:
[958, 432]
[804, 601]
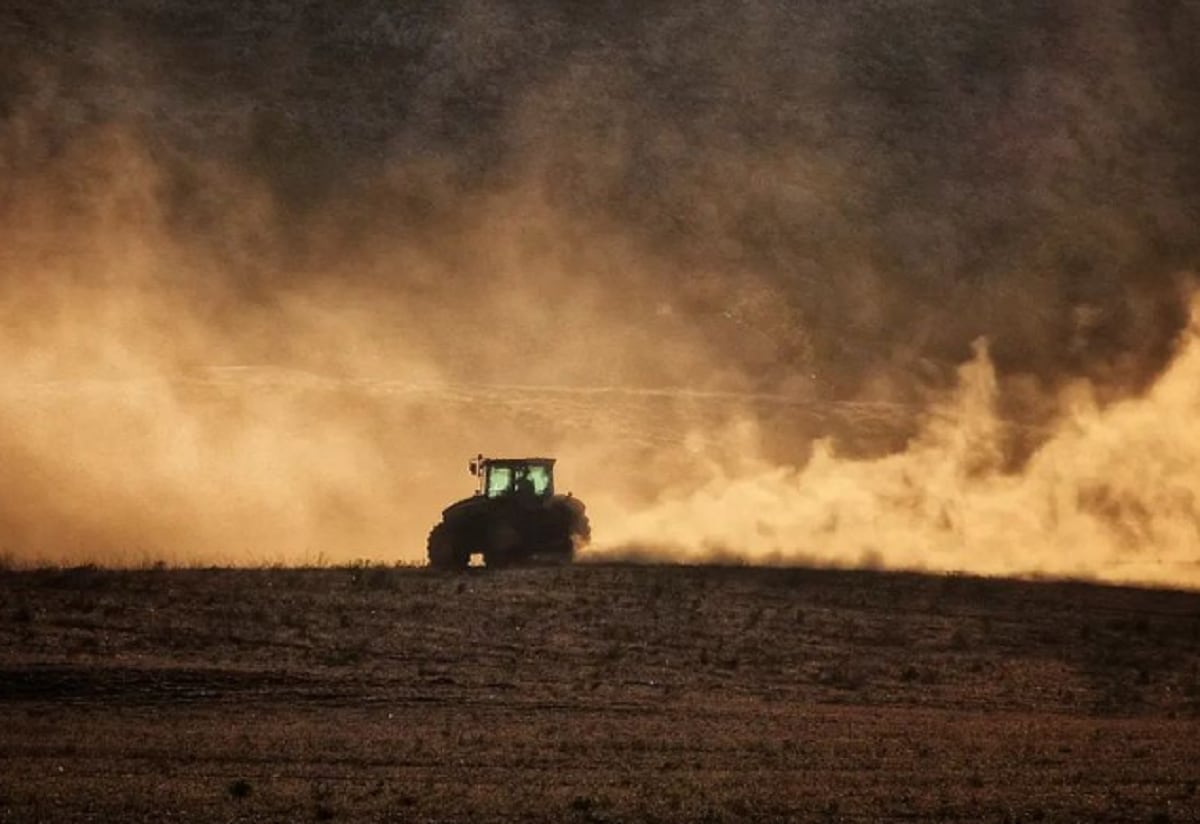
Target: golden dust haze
[900, 286]
[1110, 493]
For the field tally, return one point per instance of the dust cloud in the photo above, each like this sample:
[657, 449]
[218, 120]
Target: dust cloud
[1110, 493]
[268, 276]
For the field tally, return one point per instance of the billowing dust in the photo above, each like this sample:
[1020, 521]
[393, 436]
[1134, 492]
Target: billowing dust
[259, 327]
[1112, 493]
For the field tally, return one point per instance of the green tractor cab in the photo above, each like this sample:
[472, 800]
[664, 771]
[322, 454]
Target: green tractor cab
[499, 477]
[514, 517]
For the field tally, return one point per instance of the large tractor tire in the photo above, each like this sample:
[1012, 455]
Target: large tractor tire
[581, 530]
[444, 550]
[574, 532]
[579, 533]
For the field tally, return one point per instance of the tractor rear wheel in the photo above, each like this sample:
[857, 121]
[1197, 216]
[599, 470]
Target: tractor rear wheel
[444, 551]
[581, 530]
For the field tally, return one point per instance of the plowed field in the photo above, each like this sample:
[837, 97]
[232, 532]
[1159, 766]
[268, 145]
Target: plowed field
[592, 693]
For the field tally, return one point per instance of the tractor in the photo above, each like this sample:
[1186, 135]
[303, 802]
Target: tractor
[514, 517]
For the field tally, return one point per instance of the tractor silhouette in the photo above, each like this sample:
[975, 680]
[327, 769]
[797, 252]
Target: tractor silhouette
[514, 517]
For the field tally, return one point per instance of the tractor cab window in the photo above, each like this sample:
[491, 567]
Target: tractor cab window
[507, 480]
[499, 481]
[539, 476]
